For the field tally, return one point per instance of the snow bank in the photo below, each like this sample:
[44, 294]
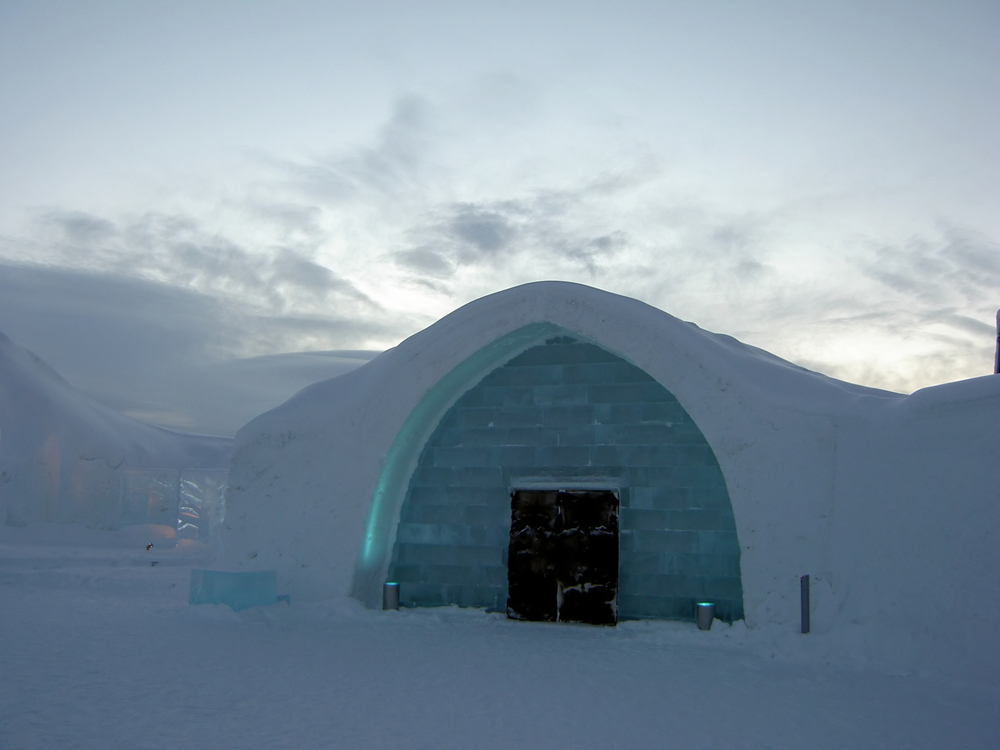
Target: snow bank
[62, 453]
[890, 503]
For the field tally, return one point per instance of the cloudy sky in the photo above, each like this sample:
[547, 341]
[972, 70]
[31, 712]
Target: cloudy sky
[188, 190]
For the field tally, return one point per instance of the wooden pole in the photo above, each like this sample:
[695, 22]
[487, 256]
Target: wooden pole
[804, 591]
[996, 359]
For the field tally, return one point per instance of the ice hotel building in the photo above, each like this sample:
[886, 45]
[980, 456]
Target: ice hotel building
[559, 452]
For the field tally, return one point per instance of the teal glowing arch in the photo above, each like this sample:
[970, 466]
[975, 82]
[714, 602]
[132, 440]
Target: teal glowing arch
[544, 403]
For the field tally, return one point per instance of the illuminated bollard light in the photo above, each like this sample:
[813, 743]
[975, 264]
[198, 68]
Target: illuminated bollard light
[390, 595]
[706, 613]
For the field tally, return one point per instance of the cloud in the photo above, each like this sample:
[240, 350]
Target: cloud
[81, 228]
[391, 165]
[957, 265]
[179, 250]
[542, 230]
[400, 189]
[423, 260]
[749, 269]
[291, 269]
[898, 316]
[485, 230]
[172, 353]
[961, 322]
[359, 248]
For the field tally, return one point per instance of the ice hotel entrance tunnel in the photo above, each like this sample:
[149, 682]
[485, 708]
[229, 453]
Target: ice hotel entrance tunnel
[544, 407]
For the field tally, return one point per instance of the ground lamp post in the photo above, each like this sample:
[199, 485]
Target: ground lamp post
[390, 595]
[706, 613]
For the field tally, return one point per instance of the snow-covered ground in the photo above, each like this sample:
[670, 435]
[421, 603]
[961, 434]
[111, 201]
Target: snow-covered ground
[100, 649]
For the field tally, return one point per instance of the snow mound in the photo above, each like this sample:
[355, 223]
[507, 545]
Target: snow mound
[62, 453]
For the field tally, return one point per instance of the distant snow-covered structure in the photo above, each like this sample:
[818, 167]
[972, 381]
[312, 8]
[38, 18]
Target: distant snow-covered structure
[66, 458]
[724, 472]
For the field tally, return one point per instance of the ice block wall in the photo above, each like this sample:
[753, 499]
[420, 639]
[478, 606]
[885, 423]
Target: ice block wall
[570, 411]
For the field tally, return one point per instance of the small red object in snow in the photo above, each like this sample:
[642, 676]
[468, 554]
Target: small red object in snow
[149, 546]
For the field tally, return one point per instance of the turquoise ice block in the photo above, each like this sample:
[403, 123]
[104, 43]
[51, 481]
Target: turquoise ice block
[237, 590]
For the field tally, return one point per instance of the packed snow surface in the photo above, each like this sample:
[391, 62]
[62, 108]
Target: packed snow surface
[100, 650]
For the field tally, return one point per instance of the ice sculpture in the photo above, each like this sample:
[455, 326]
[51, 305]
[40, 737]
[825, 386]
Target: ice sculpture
[237, 590]
[192, 500]
[148, 496]
[201, 503]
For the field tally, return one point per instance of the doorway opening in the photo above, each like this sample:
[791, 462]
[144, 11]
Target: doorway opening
[562, 563]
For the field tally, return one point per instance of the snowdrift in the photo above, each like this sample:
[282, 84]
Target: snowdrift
[889, 502]
[62, 454]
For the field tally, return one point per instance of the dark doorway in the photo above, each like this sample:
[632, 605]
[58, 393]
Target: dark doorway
[562, 564]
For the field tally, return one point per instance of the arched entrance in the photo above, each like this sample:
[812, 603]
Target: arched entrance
[566, 413]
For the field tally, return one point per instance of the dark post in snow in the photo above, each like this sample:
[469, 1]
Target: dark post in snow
[804, 589]
[996, 359]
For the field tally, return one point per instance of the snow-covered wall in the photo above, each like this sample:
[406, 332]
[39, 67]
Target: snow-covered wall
[62, 453]
[890, 503]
